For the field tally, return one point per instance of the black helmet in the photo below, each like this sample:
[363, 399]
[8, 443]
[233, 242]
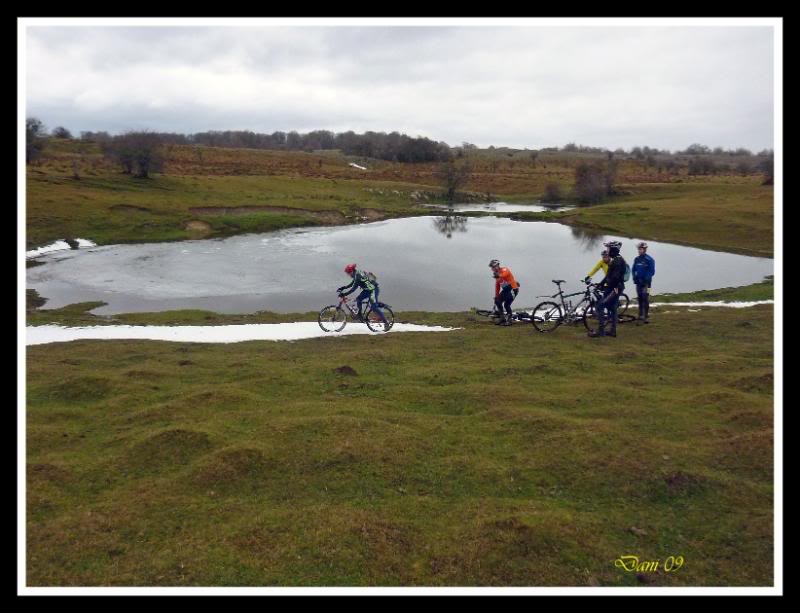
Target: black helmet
[494, 263]
[613, 248]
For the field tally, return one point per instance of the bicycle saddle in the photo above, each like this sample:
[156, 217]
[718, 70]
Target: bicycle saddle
[559, 281]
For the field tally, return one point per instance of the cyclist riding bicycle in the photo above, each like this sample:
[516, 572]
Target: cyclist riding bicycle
[605, 259]
[506, 289]
[369, 289]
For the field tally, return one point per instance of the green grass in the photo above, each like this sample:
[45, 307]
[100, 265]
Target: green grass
[721, 216]
[726, 212]
[119, 209]
[765, 290]
[482, 456]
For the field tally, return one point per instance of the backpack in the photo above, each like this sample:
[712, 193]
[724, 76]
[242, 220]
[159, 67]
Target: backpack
[627, 276]
[370, 277]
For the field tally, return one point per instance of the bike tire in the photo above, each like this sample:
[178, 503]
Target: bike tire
[332, 318]
[374, 321]
[547, 316]
[622, 306]
[484, 312]
[581, 309]
[590, 320]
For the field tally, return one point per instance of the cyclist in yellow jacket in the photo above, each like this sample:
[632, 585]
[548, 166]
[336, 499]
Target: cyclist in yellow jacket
[602, 263]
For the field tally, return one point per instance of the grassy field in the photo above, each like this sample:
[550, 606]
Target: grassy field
[765, 290]
[738, 218]
[117, 208]
[481, 456]
[209, 192]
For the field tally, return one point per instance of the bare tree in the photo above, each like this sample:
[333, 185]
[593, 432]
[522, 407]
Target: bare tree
[552, 193]
[767, 167]
[593, 183]
[743, 168]
[452, 176]
[139, 153]
[702, 166]
[61, 132]
[34, 139]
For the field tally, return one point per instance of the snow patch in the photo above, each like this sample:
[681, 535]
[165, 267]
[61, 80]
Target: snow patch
[354, 165]
[59, 245]
[39, 335]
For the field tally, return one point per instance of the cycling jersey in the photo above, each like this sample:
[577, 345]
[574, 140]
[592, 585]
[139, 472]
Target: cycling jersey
[601, 264]
[504, 277]
[643, 269]
[359, 280]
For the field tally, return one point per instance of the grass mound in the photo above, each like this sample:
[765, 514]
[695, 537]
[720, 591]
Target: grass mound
[175, 447]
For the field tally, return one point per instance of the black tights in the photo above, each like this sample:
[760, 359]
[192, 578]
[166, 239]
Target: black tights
[505, 299]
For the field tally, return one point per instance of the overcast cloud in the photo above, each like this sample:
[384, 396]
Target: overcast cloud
[665, 87]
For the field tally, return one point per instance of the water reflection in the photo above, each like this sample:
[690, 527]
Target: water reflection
[450, 223]
[247, 273]
[588, 240]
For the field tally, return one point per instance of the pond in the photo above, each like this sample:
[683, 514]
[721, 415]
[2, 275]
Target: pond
[422, 263]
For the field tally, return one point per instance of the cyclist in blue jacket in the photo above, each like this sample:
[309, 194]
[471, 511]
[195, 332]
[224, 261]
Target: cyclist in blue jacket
[643, 271]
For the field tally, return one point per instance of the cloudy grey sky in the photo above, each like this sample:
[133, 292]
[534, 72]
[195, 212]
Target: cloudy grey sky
[519, 86]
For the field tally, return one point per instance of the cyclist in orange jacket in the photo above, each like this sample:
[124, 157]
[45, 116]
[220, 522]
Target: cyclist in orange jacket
[506, 289]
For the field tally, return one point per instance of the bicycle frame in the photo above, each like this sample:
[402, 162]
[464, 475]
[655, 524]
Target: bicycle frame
[571, 314]
[345, 301]
[375, 305]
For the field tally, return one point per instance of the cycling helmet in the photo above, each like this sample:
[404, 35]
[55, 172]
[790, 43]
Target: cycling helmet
[494, 263]
[350, 268]
[642, 245]
[613, 248]
[604, 253]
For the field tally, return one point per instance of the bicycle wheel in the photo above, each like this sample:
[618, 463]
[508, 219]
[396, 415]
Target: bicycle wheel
[622, 306]
[484, 312]
[581, 310]
[591, 320]
[375, 322]
[547, 316]
[332, 318]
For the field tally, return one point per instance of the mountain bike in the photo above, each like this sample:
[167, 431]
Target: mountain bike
[592, 322]
[333, 318]
[493, 313]
[547, 316]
